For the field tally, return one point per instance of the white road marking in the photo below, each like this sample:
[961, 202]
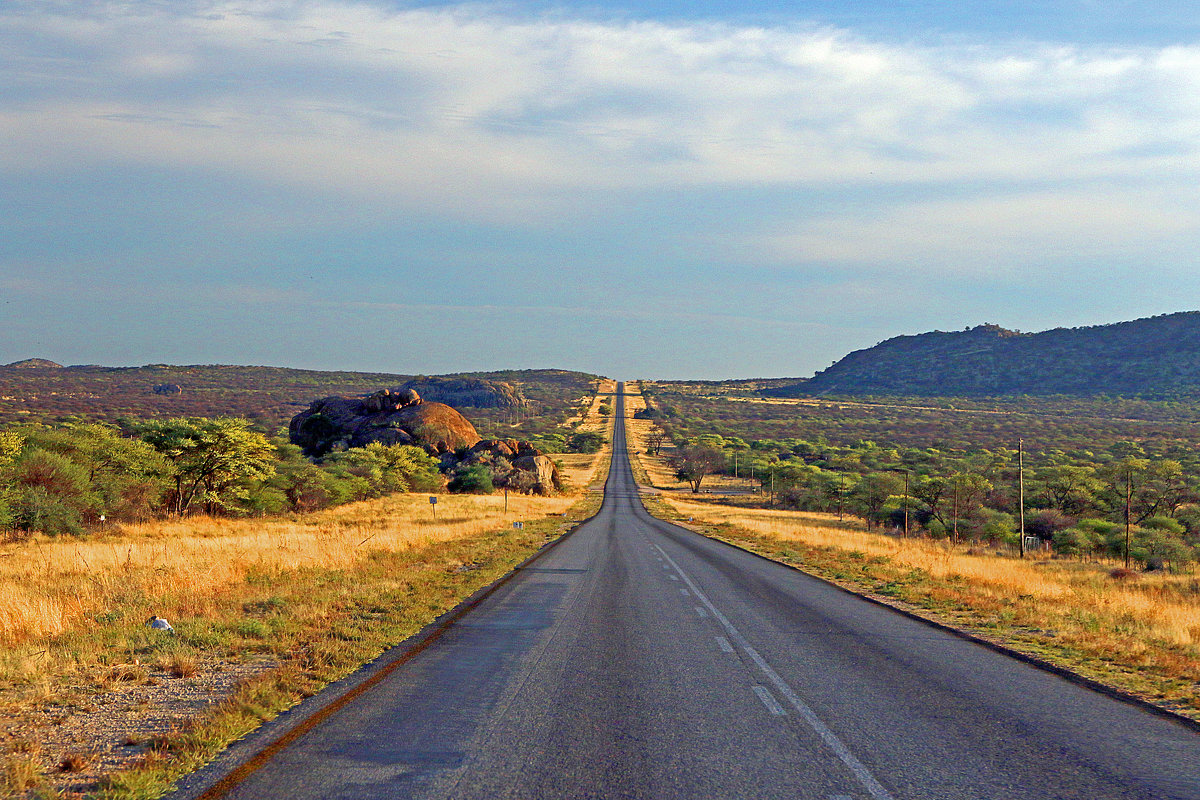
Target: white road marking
[724, 644]
[701, 612]
[672, 578]
[840, 797]
[685, 592]
[769, 700]
[822, 730]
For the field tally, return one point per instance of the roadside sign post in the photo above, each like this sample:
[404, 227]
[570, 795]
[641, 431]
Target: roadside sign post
[433, 504]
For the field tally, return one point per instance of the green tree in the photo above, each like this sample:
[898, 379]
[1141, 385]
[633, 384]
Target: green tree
[1072, 489]
[127, 475]
[693, 463]
[51, 493]
[869, 497]
[473, 479]
[212, 460]
[10, 447]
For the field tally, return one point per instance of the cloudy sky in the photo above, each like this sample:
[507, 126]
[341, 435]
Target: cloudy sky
[653, 189]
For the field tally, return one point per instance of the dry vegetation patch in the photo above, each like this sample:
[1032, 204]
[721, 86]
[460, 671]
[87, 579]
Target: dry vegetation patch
[265, 612]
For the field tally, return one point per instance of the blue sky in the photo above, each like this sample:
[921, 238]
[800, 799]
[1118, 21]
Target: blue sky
[642, 190]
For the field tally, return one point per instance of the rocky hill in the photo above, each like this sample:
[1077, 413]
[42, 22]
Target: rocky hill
[1157, 356]
[466, 392]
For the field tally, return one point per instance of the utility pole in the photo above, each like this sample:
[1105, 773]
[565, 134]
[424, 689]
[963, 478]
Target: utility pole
[505, 499]
[841, 487]
[1021, 491]
[1128, 509]
[905, 504]
[735, 465]
[956, 509]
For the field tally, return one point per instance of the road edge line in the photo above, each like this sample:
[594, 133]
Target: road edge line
[245, 756]
[1043, 664]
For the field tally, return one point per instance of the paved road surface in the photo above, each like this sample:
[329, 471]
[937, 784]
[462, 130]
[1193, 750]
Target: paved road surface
[639, 660]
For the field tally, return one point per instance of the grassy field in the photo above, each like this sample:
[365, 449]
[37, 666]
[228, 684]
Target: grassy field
[1137, 632]
[265, 611]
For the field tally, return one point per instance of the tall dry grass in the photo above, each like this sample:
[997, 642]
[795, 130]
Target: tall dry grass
[1159, 606]
[51, 586]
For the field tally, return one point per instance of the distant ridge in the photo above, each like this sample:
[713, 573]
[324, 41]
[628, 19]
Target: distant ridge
[34, 363]
[1156, 356]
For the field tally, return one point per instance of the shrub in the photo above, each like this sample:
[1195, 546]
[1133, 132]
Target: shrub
[475, 479]
[998, 526]
[1075, 541]
[1046, 522]
[586, 442]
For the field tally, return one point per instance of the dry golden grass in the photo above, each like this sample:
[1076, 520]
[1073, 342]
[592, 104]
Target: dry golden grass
[51, 586]
[1160, 606]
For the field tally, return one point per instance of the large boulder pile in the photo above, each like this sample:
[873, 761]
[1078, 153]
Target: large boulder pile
[515, 464]
[466, 392]
[389, 417]
[402, 416]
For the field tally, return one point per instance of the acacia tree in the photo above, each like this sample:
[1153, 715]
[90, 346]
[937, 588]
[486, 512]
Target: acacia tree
[211, 460]
[1069, 488]
[870, 496]
[694, 463]
[655, 440]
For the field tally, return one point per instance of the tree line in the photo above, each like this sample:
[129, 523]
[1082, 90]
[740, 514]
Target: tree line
[64, 479]
[1107, 503]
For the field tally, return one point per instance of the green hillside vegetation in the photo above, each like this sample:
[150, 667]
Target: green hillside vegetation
[1154, 357]
[1084, 460]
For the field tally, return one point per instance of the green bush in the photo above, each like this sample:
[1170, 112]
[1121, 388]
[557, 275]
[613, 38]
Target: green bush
[586, 442]
[475, 479]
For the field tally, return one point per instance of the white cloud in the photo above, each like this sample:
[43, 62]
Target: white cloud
[476, 112]
[995, 234]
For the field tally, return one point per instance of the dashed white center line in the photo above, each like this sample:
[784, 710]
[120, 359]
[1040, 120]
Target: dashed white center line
[724, 644]
[701, 612]
[859, 770]
[672, 578]
[769, 700]
[685, 592]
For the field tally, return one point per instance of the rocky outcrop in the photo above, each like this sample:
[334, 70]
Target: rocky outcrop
[402, 416]
[466, 392]
[389, 417]
[515, 464]
[168, 389]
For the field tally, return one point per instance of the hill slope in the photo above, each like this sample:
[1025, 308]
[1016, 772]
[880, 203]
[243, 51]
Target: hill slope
[1158, 356]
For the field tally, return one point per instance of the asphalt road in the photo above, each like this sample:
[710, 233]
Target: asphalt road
[639, 660]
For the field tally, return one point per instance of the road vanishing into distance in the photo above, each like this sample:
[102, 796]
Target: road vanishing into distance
[636, 659]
